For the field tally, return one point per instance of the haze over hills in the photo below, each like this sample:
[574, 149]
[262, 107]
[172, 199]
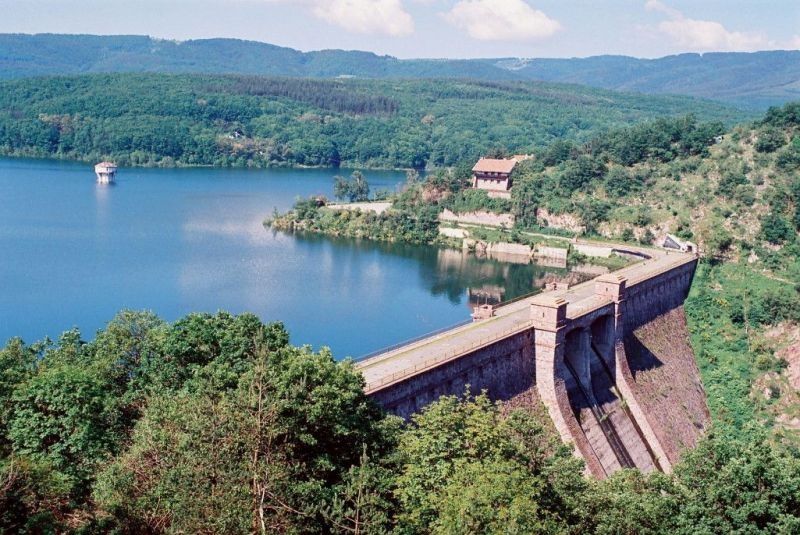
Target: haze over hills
[754, 80]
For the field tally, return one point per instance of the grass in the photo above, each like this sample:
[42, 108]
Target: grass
[732, 352]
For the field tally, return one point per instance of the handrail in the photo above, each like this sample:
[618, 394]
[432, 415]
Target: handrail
[446, 356]
[660, 269]
[412, 340]
[442, 330]
[394, 377]
[518, 298]
[631, 251]
[583, 308]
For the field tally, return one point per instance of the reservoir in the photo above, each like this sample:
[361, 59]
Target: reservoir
[175, 241]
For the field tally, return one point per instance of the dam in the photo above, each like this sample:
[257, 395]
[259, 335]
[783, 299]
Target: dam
[610, 360]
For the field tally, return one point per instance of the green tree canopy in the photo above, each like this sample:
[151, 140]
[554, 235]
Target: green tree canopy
[274, 454]
[467, 469]
[354, 189]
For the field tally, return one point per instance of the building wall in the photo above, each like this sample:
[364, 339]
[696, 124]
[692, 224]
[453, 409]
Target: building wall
[500, 184]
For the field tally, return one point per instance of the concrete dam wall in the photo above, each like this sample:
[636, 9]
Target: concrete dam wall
[610, 360]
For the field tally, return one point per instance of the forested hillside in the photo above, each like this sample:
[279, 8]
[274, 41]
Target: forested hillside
[54, 54]
[739, 199]
[216, 424]
[151, 119]
[750, 80]
[735, 192]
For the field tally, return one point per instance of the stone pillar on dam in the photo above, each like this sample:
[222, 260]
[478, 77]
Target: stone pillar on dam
[611, 286]
[549, 316]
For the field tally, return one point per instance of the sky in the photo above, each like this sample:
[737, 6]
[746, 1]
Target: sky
[435, 28]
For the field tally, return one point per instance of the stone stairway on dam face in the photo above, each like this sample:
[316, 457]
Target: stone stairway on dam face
[590, 425]
[608, 426]
[612, 405]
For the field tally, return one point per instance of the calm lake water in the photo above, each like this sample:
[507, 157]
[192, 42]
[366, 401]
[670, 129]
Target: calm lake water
[73, 253]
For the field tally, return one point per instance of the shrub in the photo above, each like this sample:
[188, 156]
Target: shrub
[775, 229]
[789, 158]
[745, 195]
[770, 140]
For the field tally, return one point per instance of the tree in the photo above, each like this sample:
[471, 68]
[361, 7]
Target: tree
[125, 350]
[787, 115]
[467, 469]
[34, 498]
[364, 503]
[356, 189]
[730, 178]
[632, 503]
[341, 187]
[198, 339]
[769, 140]
[619, 182]
[593, 212]
[788, 158]
[715, 239]
[17, 365]
[795, 189]
[738, 484]
[497, 153]
[277, 453]
[524, 201]
[627, 234]
[492, 496]
[557, 152]
[580, 172]
[68, 417]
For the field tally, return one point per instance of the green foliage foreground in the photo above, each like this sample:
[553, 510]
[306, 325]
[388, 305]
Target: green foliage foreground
[215, 424]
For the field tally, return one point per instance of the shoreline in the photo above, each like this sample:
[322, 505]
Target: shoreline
[179, 165]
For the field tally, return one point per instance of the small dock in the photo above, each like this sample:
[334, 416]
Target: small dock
[106, 172]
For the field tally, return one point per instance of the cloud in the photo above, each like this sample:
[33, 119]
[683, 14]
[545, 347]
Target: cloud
[501, 20]
[656, 5]
[387, 17]
[703, 35]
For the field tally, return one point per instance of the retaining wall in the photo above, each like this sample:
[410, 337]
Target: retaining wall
[504, 369]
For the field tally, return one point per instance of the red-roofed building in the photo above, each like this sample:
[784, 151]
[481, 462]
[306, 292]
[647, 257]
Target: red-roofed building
[493, 175]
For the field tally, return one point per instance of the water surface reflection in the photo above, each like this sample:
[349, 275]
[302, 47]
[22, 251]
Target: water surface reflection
[182, 240]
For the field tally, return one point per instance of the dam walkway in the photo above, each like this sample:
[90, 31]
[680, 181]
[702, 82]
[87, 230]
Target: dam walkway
[383, 370]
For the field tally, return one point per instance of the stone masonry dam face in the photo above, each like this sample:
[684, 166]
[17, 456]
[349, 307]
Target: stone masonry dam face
[610, 360]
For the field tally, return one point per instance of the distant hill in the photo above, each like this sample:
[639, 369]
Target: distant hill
[254, 121]
[56, 54]
[753, 80]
